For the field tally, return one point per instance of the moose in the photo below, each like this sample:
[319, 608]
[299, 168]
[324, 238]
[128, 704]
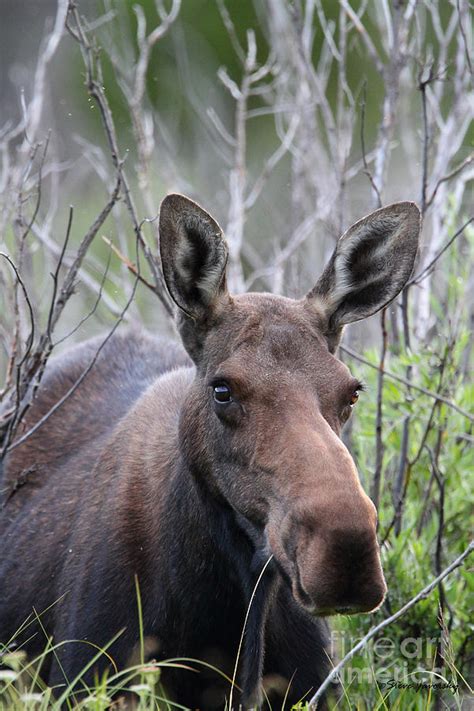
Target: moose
[191, 472]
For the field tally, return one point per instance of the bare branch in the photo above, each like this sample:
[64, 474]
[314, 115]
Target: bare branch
[70, 278]
[449, 176]
[96, 91]
[379, 447]
[79, 380]
[35, 109]
[94, 307]
[364, 34]
[130, 266]
[229, 25]
[429, 267]
[467, 48]
[362, 142]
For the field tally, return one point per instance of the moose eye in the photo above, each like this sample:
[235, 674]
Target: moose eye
[222, 393]
[347, 409]
[354, 398]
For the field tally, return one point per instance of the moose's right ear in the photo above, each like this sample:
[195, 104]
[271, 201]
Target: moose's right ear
[371, 264]
[193, 256]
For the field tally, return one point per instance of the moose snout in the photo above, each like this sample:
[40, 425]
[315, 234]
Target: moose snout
[340, 572]
[336, 568]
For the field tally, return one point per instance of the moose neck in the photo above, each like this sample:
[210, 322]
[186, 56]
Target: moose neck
[209, 545]
[256, 577]
[223, 545]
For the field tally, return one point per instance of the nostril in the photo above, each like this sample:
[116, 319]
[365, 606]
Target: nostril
[303, 596]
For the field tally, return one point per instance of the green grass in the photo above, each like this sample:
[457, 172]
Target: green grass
[21, 689]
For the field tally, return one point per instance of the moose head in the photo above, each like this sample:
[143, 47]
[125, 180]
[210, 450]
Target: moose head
[261, 423]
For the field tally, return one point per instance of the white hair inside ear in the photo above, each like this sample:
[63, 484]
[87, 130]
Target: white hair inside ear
[193, 254]
[371, 264]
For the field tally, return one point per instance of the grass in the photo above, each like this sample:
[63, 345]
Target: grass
[361, 688]
[21, 689]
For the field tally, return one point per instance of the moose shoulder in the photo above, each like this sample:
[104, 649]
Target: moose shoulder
[191, 469]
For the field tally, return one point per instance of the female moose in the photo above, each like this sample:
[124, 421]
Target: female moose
[192, 468]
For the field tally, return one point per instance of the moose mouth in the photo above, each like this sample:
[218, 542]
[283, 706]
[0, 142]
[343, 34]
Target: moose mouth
[334, 575]
[366, 604]
[307, 603]
[341, 600]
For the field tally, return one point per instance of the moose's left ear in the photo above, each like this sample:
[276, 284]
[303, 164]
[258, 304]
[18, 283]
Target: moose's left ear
[194, 258]
[193, 255]
[371, 264]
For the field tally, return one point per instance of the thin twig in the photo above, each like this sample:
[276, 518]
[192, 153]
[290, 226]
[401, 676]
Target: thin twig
[96, 91]
[79, 380]
[400, 488]
[463, 34]
[429, 267]
[449, 176]
[367, 171]
[379, 448]
[125, 260]
[55, 274]
[440, 480]
[94, 308]
[31, 336]
[403, 380]
[423, 83]
[364, 34]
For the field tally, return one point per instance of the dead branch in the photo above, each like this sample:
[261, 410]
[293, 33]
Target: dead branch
[379, 446]
[429, 267]
[125, 260]
[96, 91]
[77, 383]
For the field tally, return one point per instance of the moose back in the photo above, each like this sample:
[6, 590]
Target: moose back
[191, 469]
